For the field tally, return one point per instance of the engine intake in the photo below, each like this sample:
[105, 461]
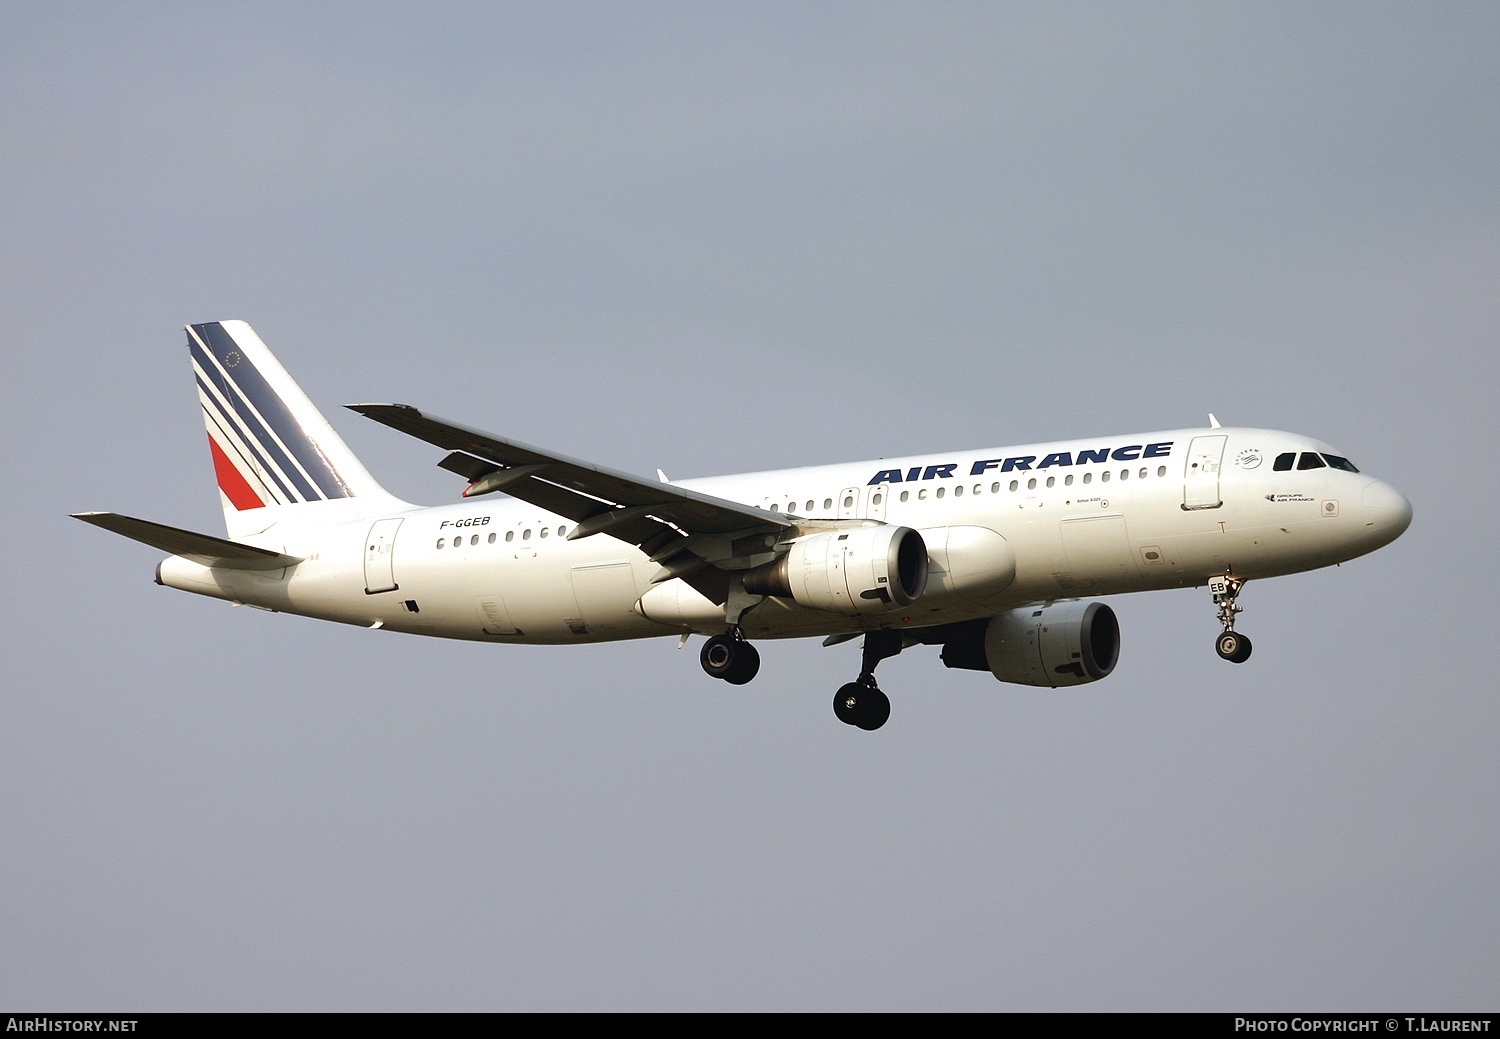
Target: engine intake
[1067, 643]
[864, 570]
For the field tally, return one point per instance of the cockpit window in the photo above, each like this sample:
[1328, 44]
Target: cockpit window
[1284, 462]
[1340, 462]
[1310, 460]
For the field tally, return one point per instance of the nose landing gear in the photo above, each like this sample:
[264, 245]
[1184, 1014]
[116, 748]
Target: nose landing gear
[1230, 645]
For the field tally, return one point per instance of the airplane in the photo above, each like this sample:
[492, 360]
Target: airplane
[988, 554]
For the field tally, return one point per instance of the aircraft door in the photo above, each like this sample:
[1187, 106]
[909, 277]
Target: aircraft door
[380, 574]
[606, 595]
[1098, 549]
[494, 618]
[875, 507]
[849, 503]
[1200, 488]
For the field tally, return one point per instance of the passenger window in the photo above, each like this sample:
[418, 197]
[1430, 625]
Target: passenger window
[958, 491]
[848, 501]
[1051, 480]
[776, 507]
[526, 534]
[543, 532]
[1068, 480]
[491, 538]
[442, 542]
[1031, 484]
[995, 487]
[922, 494]
[1142, 474]
[828, 502]
[1284, 462]
[1104, 476]
[1161, 470]
[1015, 484]
[510, 535]
[1124, 474]
[904, 496]
[941, 491]
[1310, 460]
[561, 531]
[809, 508]
[1088, 477]
[979, 487]
[474, 540]
[874, 498]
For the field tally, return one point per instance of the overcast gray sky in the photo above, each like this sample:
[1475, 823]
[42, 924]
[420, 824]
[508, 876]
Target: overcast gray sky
[719, 237]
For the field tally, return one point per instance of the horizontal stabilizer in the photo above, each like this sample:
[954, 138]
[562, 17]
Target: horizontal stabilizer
[200, 548]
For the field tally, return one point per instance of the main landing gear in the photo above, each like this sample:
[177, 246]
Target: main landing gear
[730, 657]
[1231, 645]
[861, 703]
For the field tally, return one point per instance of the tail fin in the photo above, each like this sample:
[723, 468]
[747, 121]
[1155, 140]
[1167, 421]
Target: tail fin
[270, 445]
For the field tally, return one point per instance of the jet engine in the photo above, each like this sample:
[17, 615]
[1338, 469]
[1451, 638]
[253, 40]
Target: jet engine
[1067, 643]
[863, 570]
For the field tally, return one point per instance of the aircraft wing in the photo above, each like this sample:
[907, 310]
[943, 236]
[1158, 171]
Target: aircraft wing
[686, 531]
[200, 548]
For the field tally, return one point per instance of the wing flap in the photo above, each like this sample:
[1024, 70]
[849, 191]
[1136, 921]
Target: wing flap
[200, 548]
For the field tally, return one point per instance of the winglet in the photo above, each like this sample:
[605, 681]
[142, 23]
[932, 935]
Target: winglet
[1213, 422]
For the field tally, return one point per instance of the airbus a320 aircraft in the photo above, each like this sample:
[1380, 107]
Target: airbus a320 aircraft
[984, 553]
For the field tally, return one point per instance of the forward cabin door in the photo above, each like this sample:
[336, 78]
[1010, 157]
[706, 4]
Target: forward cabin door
[1200, 488]
[380, 573]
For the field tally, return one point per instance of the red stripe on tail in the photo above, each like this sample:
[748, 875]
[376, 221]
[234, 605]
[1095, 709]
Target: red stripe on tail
[239, 493]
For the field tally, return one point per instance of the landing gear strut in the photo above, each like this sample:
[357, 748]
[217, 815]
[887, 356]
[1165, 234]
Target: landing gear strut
[730, 657]
[1231, 645]
[861, 703]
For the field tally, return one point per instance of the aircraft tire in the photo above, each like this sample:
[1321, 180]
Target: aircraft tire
[1233, 647]
[846, 702]
[718, 656]
[862, 706]
[744, 665]
[874, 711]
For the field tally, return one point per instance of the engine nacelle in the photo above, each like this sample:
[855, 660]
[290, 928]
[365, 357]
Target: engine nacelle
[863, 570]
[1067, 643]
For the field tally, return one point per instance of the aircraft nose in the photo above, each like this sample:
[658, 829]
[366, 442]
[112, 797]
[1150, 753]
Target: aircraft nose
[1386, 510]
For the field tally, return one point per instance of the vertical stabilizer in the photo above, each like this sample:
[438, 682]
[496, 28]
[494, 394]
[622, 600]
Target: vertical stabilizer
[272, 449]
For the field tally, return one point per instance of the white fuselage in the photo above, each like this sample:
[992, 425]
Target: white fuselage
[1004, 527]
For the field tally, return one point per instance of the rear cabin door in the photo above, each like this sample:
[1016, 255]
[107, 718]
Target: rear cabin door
[380, 574]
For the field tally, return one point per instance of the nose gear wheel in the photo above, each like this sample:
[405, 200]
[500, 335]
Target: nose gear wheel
[1231, 645]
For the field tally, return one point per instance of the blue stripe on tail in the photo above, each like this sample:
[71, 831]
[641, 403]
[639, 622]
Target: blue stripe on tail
[242, 385]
